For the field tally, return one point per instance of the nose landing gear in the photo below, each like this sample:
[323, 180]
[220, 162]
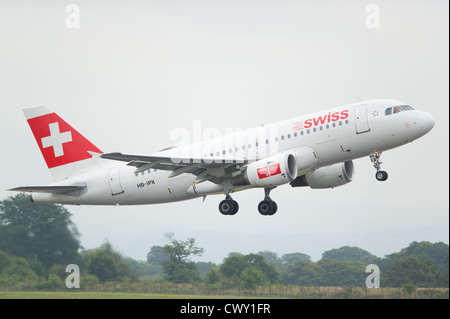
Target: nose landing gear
[379, 175]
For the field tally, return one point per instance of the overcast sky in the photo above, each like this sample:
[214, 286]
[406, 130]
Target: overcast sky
[132, 72]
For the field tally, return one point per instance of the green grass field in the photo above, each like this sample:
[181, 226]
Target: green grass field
[99, 295]
[386, 293]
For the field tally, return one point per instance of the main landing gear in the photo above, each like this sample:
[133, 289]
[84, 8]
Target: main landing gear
[380, 175]
[267, 207]
[228, 206]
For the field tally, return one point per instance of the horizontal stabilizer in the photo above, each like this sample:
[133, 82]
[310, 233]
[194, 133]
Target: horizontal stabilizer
[48, 189]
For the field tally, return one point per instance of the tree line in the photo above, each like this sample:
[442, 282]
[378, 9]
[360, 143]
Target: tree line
[37, 241]
[422, 264]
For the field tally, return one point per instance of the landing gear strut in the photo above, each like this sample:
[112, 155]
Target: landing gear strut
[267, 207]
[228, 206]
[380, 175]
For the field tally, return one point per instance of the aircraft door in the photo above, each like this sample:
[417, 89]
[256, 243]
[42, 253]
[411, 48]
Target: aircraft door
[114, 181]
[362, 124]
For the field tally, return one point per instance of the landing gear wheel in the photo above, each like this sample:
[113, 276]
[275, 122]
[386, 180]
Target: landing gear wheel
[267, 207]
[275, 207]
[381, 176]
[236, 207]
[228, 207]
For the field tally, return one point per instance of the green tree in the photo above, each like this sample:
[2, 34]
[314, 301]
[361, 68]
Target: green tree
[204, 267]
[267, 270]
[143, 269]
[157, 256]
[347, 253]
[179, 268]
[234, 265]
[15, 268]
[38, 231]
[415, 271]
[212, 276]
[252, 277]
[343, 273]
[270, 257]
[304, 273]
[107, 264]
[293, 258]
[435, 253]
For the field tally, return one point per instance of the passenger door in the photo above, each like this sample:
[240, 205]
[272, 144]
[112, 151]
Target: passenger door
[114, 181]
[362, 124]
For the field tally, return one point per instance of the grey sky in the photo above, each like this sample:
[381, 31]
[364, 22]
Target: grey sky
[136, 70]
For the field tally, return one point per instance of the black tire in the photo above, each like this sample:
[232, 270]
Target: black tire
[275, 208]
[381, 176]
[236, 207]
[266, 207]
[227, 207]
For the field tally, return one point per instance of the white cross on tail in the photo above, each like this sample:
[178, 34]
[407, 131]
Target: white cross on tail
[56, 139]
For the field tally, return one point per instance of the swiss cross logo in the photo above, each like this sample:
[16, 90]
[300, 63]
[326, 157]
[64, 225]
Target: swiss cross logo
[60, 143]
[56, 139]
[268, 171]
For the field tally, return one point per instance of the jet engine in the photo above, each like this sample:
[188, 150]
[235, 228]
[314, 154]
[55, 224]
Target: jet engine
[327, 177]
[272, 171]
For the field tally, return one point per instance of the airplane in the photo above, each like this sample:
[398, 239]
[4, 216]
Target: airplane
[315, 150]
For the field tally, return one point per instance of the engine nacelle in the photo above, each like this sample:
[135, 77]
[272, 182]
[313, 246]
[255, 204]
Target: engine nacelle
[272, 171]
[327, 177]
[306, 158]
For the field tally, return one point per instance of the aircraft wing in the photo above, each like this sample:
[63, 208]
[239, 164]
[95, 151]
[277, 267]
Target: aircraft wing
[215, 170]
[49, 189]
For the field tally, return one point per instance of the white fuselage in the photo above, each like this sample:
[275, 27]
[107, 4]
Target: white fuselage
[336, 135]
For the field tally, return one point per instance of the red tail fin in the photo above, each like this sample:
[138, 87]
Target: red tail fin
[60, 143]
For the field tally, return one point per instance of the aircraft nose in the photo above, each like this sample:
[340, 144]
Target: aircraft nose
[426, 122]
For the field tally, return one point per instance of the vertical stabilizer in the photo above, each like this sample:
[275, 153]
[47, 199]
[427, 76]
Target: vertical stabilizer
[64, 149]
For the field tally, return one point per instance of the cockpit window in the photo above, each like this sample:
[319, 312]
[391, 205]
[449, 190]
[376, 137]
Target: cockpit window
[406, 108]
[398, 109]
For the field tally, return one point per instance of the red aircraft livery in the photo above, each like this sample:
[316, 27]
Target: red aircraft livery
[59, 142]
[327, 118]
[268, 171]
